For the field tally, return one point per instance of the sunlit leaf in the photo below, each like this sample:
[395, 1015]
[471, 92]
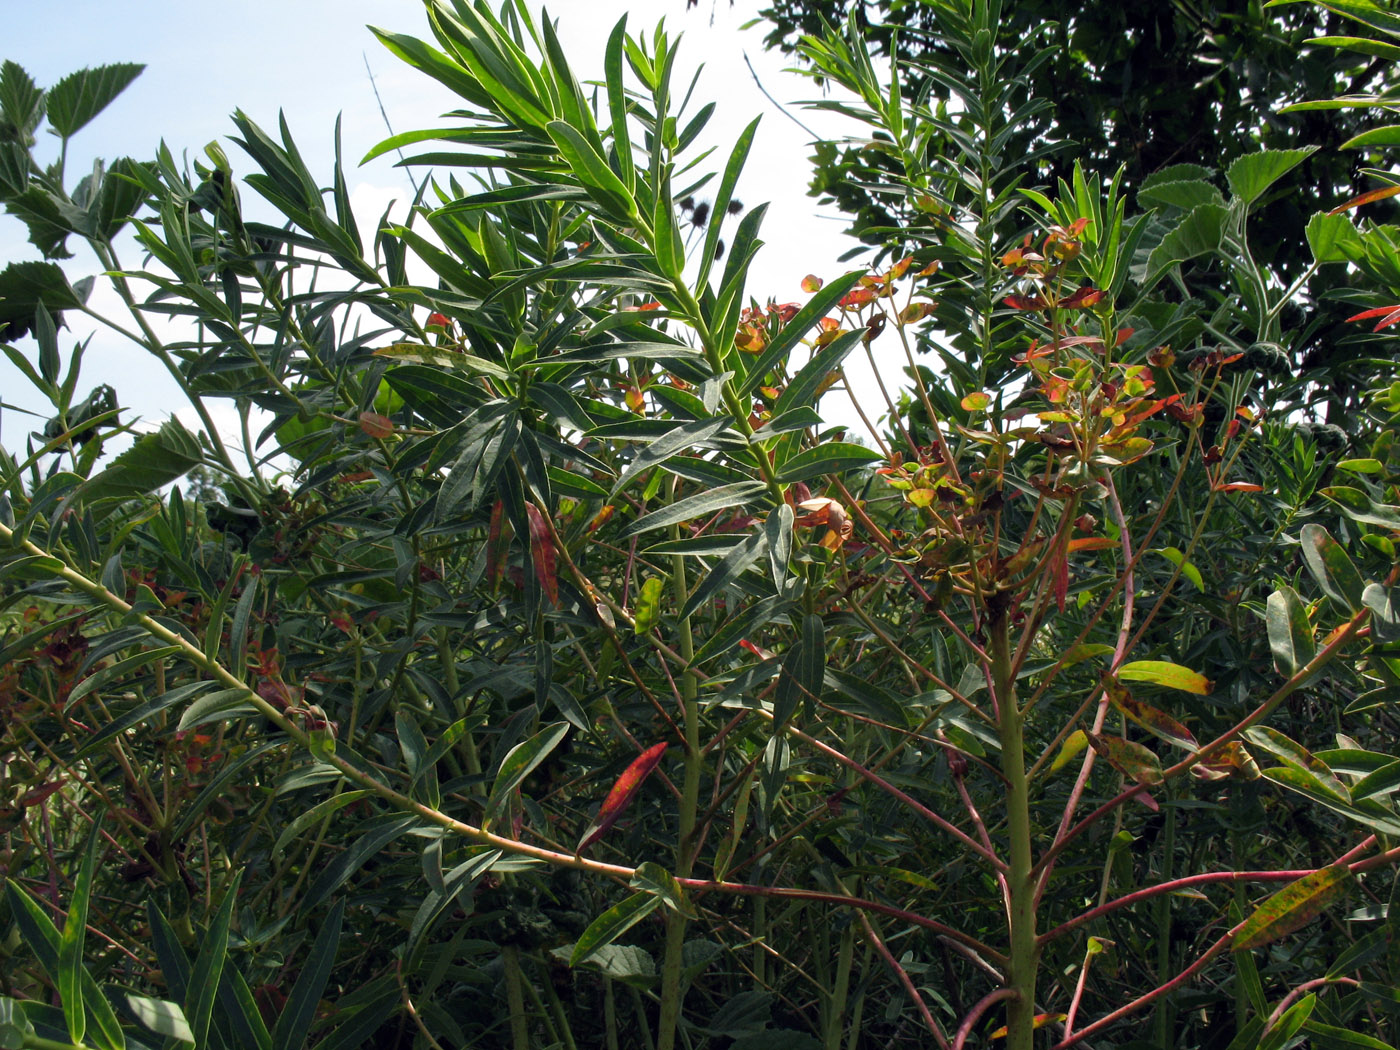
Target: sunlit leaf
[621, 795]
[1162, 672]
[1292, 907]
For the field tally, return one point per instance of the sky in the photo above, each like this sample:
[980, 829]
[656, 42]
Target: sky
[312, 60]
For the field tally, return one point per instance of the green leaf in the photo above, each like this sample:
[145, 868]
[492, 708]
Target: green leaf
[727, 571]
[730, 179]
[80, 96]
[294, 1024]
[23, 285]
[371, 836]
[1290, 633]
[70, 945]
[794, 331]
[1330, 1037]
[21, 100]
[1184, 194]
[699, 434]
[803, 673]
[1333, 239]
[655, 879]
[1358, 506]
[1251, 175]
[647, 614]
[1162, 672]
[802, 391]
[613, 923]
[592, 170]
[162, 1017]
[1198, 233]
[521, 761]
[151, 463]
[213, 954]
[1332, 569]
[834, 457]
[1320, 776]
[1188, 569]
[621, 962]
[725, 497]
[1292, 907]
[306, 819]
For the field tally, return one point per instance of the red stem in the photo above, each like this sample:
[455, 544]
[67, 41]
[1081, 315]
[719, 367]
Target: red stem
[746, 889]
[905, 980]
[975, 1014]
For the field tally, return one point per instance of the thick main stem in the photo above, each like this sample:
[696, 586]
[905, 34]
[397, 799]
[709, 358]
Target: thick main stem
[671, 964]
[1023, 957]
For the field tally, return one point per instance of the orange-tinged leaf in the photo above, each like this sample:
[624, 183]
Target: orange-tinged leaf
[858, 297]
[542, 553]
[812, 283]
[1158, 723]
[621, 795]
[976, 402]
[915, 312]
[1025, 302]
[1128, 757]
[1388, 315]
[1039, 1021]
[1162, 672]
[601, 518]
[1292, 907]
[636, 400]
[1091, 543]
[1082, 299]
[899, 269]
[1228, 760]
[1237, 486]
[375, 425]
[1366, 198]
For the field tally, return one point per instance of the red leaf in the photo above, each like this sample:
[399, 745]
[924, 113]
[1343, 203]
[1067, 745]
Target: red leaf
[375, 425]
[34, 796]
[1082, 298]
[1388, 315]
[620, 797]
[1023, 302]
[542, 553]
[439, 321]
[1237, 486]
[496, 546]
[1366, 198]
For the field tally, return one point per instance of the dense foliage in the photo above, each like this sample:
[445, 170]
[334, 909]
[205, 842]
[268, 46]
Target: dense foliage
[548, 672]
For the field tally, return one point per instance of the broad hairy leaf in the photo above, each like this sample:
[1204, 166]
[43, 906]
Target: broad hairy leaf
[80, 96]
[1251, 175]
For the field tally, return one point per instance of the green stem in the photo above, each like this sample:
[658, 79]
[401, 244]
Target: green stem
[1023, 957]
[515, 998]
[671, 964]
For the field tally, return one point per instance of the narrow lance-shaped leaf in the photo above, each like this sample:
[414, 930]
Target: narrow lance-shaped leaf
[1128, 757]
[1158, 723]
[70, 945]
[613, 923]
[622, 793]
[521, 761]
[542, 553]
[1292, 907]
[1162, 672]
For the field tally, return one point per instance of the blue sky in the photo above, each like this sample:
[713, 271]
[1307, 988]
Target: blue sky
[308, 59]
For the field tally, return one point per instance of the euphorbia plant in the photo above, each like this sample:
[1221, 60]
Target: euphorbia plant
[621, 657]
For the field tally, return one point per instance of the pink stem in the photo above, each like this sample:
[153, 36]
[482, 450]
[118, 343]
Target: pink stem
[975, 1014]
[905, 980]
[1074, 1002]
[985, 852]
[1298, 993]
[1120, 650]
[747, 889]
[1202, 879]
